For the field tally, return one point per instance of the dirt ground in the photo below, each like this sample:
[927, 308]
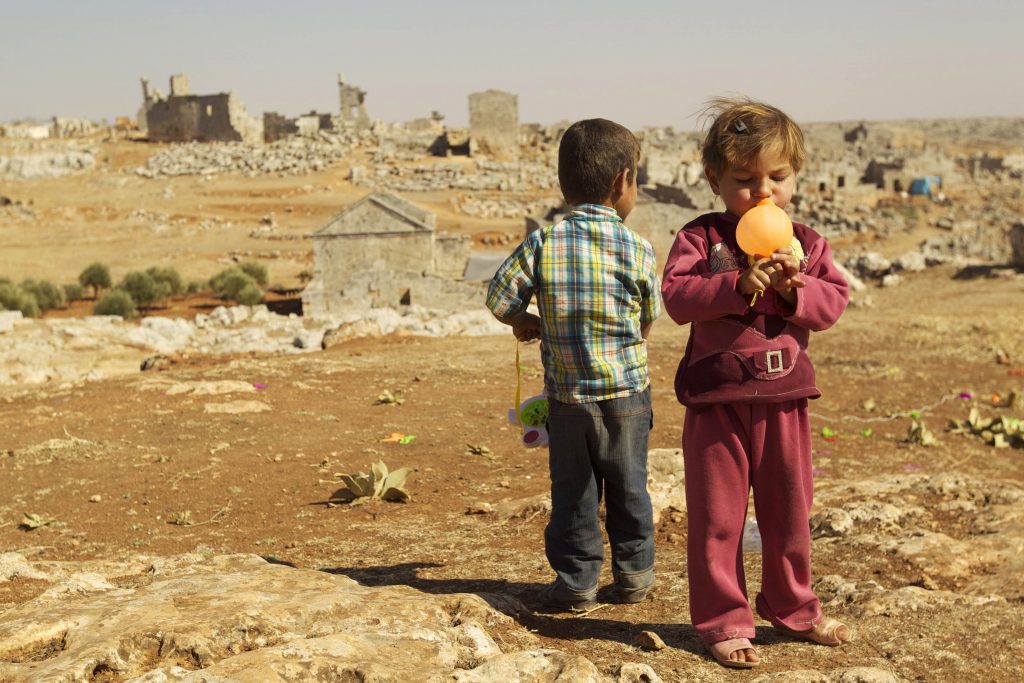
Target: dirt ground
[129, 466]
[57, 226]
[125, 469]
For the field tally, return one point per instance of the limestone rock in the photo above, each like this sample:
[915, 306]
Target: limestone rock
[665, 480]
[15, 566]
[352, 330]
[236, 407]
[858, 674]
[233, 618]
[649, 640]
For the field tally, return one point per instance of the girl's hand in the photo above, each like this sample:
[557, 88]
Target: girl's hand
[784, 273]
[757, 278]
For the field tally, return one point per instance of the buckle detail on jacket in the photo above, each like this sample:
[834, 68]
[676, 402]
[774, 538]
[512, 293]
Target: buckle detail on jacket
[773, 361]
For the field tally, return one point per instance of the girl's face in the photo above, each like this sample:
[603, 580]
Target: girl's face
[743, 186]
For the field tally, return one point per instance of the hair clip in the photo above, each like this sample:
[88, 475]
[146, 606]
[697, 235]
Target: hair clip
[739, 127]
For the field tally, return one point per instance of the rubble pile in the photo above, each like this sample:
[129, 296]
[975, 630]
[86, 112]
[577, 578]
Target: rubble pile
[480, 207]
[291, 156]
[71, 349]
[513, 176]
[46, 164]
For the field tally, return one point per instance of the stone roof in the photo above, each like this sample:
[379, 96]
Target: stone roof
[415, 217]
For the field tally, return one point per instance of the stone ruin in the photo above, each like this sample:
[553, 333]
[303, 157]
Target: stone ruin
[353, 109]
[383, 251]
[184, 117]
[278, 127]
[494, 123]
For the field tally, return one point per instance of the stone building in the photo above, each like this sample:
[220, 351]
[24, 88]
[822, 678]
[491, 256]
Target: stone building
[278, 127]
[383, 251]
[494, 123]
[184, 117]
[353, 109]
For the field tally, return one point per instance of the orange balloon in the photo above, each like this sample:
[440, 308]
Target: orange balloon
[763, 229]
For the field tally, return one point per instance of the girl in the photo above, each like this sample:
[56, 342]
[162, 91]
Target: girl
[745, 379]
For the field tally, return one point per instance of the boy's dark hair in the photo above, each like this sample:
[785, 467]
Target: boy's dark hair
[592, 152]
[742, 128]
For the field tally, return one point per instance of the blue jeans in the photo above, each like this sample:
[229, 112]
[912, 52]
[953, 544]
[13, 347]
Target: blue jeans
[600, 448]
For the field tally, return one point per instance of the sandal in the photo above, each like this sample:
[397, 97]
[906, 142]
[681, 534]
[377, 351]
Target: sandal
[827, 632]
[722, 649]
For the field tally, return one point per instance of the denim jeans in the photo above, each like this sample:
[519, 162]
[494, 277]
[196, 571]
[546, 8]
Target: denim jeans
[600, 448]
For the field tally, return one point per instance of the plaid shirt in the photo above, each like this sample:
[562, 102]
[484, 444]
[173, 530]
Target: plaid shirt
[596, 283]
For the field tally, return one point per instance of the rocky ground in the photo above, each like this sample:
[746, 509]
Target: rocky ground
[182, 523]
[187, 522]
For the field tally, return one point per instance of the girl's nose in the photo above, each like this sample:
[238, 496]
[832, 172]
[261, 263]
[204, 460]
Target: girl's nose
[764, 188]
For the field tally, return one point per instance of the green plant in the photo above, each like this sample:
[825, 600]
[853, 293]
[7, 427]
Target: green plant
[168, 276]
[47, 294]
[250, 295]
[182, 518]
[97, 276]
[116, 302]
[256, 270]
[14, 298]
[31, 520]
[920, 434]
[231, 282]
[390, 399]
[144, 290]
[379, 484]
[74, 292]
[194, 286]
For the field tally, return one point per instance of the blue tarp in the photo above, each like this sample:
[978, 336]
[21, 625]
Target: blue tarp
[927, 185]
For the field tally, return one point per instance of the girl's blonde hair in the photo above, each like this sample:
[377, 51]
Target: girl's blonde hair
[741, 129]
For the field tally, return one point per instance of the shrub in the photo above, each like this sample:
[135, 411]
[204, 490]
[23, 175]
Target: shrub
[74, 292]
[229, 283]
[14, 298]
[143, 289]
[256, 270]
[194, 286]
[168, 276]
[116, 302]
[250, 295]
[47, 294]
[97, 276]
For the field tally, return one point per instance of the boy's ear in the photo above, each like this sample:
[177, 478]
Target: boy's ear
[712, 179]
[623, 181]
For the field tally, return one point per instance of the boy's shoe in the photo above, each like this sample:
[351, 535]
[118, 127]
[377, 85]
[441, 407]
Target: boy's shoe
[558, 597]
[627, 595]
[629, 589]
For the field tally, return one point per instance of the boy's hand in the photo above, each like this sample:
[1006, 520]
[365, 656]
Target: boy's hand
[526, 327]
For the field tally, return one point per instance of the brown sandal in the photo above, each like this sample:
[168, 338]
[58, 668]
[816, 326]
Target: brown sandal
[722, 649]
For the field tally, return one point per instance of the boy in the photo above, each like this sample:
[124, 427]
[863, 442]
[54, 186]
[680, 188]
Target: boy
[597, 294]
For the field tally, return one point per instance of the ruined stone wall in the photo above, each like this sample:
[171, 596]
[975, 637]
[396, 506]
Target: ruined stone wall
[352, 105]
[202, 118]
[451, 252]
[340, 258]
[392, 289]
[494, 123]
[337, 257]
[277, 127]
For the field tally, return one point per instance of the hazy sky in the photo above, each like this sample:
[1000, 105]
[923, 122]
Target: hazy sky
[643, 63]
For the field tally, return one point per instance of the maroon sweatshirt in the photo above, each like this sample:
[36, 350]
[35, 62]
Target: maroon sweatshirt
[737, 353]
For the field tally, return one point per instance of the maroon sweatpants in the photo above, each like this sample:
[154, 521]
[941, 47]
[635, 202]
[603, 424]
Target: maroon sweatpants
[727, 450]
